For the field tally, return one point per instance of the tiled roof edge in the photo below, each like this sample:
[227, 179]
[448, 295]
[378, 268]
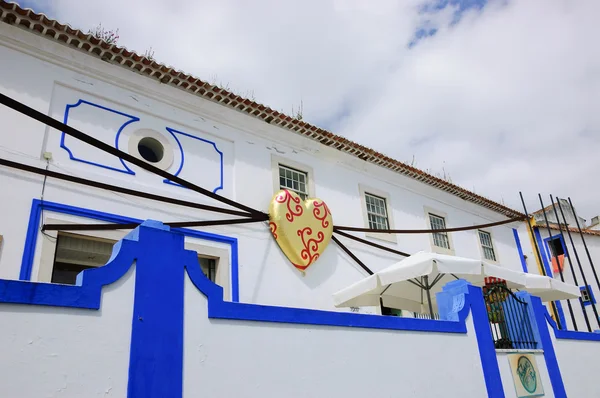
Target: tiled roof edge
[571, 229]
[13, 14]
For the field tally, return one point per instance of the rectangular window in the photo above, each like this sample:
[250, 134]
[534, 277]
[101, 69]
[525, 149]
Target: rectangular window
[440, 239]
[75, 253]
[294, 180]
[376, 212]
[587, 296]
[556, 246]
[486, 245]
[209, 267]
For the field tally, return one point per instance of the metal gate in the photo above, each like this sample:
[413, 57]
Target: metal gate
[509, 318]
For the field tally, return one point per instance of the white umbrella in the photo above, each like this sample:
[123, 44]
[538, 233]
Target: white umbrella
[412, 282]
[550, 289]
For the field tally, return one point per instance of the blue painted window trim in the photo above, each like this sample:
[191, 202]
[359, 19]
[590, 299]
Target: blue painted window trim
[547, 244]
[591, 293]
[134, 119]
[546, 264]
[34, 226]
[214, 145]
[520, 250]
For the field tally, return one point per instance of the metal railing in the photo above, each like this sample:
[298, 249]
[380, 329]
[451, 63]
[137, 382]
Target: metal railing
[426, 316]
[508, 318]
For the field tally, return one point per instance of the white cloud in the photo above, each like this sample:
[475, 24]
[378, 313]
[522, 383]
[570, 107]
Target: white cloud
[505, 100]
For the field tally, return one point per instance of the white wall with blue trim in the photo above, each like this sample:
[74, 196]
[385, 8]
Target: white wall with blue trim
[84, 350]
[578, 360]
[221, 149]
[151, 307]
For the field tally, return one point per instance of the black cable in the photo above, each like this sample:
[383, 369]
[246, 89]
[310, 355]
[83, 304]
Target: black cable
[173, 224]
[127, 191]
[28, 111]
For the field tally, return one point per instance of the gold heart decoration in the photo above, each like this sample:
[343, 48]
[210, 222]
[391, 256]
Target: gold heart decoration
[302, 229]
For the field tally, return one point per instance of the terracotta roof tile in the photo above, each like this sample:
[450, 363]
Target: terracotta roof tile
[12, 13]
[572, 229]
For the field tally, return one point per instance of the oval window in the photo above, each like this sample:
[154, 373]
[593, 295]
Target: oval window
[151, 149]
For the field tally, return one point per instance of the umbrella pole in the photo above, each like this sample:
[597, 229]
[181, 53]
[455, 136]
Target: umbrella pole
[427, 288]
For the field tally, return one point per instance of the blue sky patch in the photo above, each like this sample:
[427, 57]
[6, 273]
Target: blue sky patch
[434, 6]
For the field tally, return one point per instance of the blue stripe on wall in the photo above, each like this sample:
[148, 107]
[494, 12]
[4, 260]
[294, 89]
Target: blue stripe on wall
[520, 249]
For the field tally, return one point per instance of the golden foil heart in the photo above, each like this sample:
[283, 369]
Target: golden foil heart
[302, 229]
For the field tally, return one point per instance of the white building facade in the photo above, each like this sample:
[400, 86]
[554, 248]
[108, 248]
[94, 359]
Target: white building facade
[224, 150]
[134, 311]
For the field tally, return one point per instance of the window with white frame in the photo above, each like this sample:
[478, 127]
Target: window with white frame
[440, 239]
[487, 246]
[209, 267]
[585, 295]
[294, 180]
[376, 212]
[75, 253]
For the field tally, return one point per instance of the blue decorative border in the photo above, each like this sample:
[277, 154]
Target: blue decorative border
[520, 249]
[562, 242]
[87, 293]
[34, 225]
[156, 354]
[570, 334]
[541, 315]
[127, 170]
[173, 133]
[543, 252]
[454, 302]
[220, 309]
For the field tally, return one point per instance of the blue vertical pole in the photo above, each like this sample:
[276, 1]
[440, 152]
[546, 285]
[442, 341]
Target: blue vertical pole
[156, 357]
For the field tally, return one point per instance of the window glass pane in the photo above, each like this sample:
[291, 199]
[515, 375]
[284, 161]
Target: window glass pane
[208, 267]
[487, 246]
[75, 253]
[294, 180]
[376, 212]
[440, 239]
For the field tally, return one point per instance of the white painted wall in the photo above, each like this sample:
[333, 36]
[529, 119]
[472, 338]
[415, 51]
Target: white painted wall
[577, 359]
[316, 361]
[52, 352]
[49, 76]
[53, 355]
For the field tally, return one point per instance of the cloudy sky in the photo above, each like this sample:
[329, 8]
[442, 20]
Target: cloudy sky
[500, 95]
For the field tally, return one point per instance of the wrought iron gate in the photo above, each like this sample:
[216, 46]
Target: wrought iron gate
[509, 318]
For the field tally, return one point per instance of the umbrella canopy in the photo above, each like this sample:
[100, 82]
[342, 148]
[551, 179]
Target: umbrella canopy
[550, 289]
[412, 283]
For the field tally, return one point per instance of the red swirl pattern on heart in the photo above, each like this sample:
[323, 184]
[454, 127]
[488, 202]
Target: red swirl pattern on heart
[321, 211]
[310, 253]
[301, 228]
[273, 228]
[293, 210]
